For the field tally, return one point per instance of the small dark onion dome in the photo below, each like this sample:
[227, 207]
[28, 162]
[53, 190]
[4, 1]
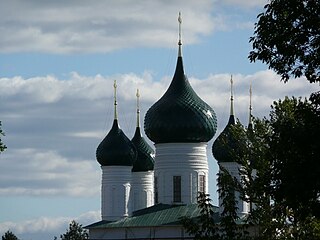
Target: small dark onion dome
[145, 154]
[226, 148]
[180, 115]
[116, 149]
[225, 145]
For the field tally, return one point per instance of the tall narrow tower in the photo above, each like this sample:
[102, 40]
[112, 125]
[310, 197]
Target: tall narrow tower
[116, 155]
[142, 172]
[224, 150]
[180, 124]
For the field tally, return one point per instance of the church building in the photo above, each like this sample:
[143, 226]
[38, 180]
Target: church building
[145, 192]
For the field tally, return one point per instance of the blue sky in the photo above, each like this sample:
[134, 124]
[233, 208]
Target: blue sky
[58, 60]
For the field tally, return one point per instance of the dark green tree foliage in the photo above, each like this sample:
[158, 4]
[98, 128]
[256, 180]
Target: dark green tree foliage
[287, 38]
[227, 187]
[75, 232]
[280, 172]
[280, 160]
[283, 155]
[295, 155]
[8, 235]
[2, 146]
[202, 227]
[256, 179]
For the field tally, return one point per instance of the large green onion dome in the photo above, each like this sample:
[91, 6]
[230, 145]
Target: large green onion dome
[116, 149]
[180, 115]
[145, 154]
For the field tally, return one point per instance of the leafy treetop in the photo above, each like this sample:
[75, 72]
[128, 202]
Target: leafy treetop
[2, 146]
[287, 38]
[8, 235]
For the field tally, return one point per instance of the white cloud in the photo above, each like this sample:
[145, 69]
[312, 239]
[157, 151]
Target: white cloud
[245, 3]
[99, 26]
[40, 173]
[43, 227]
[53, 126]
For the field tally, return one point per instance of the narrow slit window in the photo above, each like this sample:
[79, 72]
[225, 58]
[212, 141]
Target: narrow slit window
[156, 200]
[202, 183]
[176, 188]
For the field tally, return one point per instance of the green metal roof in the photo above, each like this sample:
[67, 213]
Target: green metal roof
[116, 149]
[180, 115]
[157, 215]
[145, 159]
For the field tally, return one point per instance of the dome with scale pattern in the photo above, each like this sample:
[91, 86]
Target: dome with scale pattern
[145, 154]
[116, 149]
[180, 115]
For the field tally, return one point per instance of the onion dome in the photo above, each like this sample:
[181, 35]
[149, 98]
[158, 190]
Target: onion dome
[226, 146]
[180, 115]
[145, 154]
[116, 149]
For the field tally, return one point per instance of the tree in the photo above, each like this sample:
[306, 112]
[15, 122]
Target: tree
[287, 38]
[2, 146]
[281, 174]
[295, 155]
[281, 170]
[75, 232]
[228, 186]
[284, 152]
[8, 235]
[255, 172]
[204, 226]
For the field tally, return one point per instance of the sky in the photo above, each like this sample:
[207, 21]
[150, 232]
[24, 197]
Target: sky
[58, 61]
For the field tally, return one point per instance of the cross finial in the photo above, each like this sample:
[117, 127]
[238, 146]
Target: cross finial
[138, 108]
[180, 21]
[250, 92]
[231, 82]
[115, 99]
[179, 42]
[231, 98]
[250, 104]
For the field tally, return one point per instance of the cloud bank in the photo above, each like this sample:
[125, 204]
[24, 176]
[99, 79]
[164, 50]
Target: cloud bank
[103, 26]
[43, 227]
[98, 26]
[53, 126]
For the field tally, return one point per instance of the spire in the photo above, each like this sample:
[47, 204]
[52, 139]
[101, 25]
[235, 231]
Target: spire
[231, 98]
[138, 108]
[145, 161]
[250, 107]
[115, 100]
[180, 115]
[179, 42]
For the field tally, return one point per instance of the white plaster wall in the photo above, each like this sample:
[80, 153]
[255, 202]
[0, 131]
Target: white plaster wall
[187, 160]
[233, 169]
[142, 188]
[115, 192]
